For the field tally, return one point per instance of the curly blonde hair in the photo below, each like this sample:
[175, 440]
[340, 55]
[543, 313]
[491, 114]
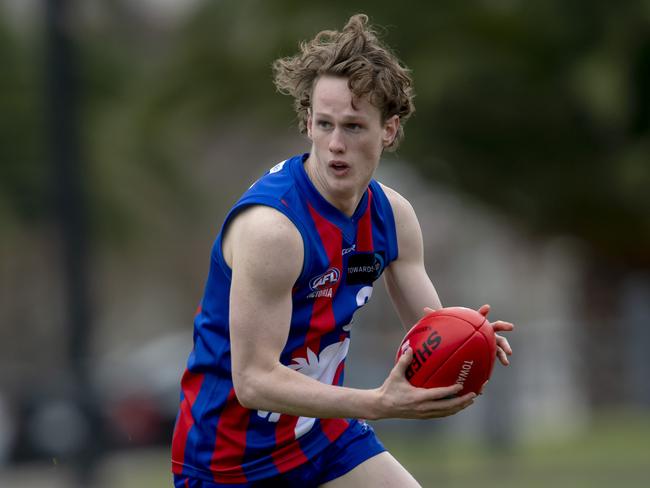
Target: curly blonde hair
[354, 53]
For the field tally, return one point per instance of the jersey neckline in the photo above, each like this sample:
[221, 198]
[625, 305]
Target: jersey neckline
[325, 208]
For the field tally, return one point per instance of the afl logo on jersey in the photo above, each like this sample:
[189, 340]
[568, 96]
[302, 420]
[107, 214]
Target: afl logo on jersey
[326, 280]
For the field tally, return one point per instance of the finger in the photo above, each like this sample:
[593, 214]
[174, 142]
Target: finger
[403, 362]
[500, 325]
[503, 343]
[467, 398]
[482, 389]
[503, 358]
[451, 403]
[444, 392]
[484, 310]
[444, 408]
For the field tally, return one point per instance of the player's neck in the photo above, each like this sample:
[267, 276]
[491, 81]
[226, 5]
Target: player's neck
[344, 199]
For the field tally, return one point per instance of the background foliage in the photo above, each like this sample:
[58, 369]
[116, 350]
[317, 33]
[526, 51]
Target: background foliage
[538, 108]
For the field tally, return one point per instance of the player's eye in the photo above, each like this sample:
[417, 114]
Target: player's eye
[323, 124]
[353, 127]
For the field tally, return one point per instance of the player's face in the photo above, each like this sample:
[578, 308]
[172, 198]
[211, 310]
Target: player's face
[348, 137]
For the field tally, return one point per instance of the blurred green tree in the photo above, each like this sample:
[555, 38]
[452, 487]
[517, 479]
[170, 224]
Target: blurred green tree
[23, 179]
[539, 108]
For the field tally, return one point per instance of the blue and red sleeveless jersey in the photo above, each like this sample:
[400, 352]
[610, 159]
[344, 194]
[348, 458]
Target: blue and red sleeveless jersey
[217, 439]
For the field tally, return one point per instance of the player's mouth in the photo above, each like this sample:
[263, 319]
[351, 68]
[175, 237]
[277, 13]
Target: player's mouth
[339, 168]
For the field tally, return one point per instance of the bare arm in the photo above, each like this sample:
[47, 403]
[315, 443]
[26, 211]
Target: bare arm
[406, 278]
[265, 252]
[407, 281]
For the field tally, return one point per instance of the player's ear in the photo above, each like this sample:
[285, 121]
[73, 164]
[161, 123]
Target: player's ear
[391, 126]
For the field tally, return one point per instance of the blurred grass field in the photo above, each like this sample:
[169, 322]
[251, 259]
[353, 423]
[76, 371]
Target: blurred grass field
[613, 452]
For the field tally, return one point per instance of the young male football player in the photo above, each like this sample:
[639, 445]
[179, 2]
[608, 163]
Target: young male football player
[262, 397]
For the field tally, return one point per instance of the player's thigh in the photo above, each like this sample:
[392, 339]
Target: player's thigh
[380, 471]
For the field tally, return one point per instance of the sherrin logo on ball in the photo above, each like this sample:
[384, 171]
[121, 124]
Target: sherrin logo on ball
[450, 345]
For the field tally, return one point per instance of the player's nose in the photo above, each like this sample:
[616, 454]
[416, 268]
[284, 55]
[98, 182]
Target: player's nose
[336, 143]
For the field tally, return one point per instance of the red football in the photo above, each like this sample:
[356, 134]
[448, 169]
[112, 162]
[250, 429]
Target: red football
[451, 345]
